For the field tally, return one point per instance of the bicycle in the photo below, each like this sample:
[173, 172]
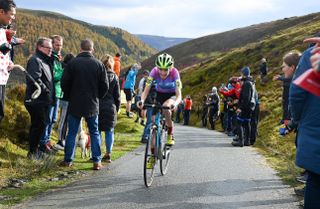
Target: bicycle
[161, 151]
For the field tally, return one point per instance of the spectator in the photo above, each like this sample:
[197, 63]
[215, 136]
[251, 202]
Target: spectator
[84, 82]
[129, 87]
[180, 109]
[263, 71]
[62, 126]
[245, 107]
[214, 106]
[40, 68]
[187, 110]
[56, 57]
[305, 111]
[8, 13]
[204, 117]
[290, 62]
[109, 107]
[141, 114]
[117, 64]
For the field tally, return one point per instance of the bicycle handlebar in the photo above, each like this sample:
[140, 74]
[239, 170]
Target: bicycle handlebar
[157, 106]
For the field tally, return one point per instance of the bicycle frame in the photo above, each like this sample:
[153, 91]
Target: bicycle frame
[154, 145]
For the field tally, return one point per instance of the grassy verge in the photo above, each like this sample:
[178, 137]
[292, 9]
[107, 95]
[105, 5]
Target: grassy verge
[42, 175]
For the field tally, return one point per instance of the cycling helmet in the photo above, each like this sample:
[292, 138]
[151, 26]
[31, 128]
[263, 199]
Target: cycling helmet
[164, 61]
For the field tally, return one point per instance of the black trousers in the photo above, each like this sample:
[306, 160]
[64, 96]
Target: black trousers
[39, 117]
[244, 127]
[213, 117]
[254, 124]
[2, 96]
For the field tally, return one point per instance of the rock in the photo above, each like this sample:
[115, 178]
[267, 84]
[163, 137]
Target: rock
[55, 179]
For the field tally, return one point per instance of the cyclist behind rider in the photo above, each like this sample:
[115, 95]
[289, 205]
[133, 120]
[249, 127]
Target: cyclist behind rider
[168, 89]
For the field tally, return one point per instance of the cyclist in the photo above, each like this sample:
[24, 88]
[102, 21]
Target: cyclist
[168, 89]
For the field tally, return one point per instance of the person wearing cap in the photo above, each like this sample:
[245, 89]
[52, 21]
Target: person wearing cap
[117, 64]
[214, 106]
[129, 86]
[187, 110]
[246, 106]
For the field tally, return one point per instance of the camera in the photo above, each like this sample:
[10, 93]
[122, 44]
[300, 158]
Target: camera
[5, 48]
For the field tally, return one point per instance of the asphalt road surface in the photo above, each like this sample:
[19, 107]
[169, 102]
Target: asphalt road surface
[205, 172]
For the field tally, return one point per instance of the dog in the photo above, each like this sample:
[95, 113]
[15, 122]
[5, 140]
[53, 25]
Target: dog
[84, 143]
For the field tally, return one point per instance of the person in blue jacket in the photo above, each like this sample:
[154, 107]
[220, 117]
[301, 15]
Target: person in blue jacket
[305, 112]
[129, 86]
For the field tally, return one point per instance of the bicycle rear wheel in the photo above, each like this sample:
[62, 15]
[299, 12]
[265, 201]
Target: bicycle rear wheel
[165, 158]
[148, 173]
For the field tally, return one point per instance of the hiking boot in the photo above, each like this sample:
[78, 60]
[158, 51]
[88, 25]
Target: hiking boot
[151, 162]
[38, 155]
[170, 140]
[65, 164]
[59, 146]
[144, 140]
[48, 149]
[299, 192]
[237, 144]
[107, 158]
[97, 166]
[129, 115]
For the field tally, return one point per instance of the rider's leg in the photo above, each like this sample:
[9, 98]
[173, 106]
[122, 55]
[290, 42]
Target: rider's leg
[169, 122]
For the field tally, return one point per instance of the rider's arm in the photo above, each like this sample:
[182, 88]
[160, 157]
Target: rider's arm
[178, 92]
[146, 89]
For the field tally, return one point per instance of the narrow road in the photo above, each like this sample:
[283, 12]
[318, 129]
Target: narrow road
[205, 172]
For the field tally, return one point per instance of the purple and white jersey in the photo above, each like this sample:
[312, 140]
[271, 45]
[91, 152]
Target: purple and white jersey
[167, 85]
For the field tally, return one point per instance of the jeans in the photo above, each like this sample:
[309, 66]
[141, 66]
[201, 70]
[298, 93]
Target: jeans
[312, 191]
[109, 135]
[179, 111]
[53, 113]
[62, 127]
[186, 117]
[70, 147]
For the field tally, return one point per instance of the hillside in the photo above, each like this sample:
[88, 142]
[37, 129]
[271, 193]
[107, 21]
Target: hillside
[32, 24]
[199, 79]
[209, 47]
[161, 43]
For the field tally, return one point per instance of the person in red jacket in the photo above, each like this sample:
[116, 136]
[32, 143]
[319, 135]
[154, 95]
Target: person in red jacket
[117, 64]
[187, 110]
[234, 81]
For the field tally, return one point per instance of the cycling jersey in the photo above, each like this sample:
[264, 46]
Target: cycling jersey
[167, 85]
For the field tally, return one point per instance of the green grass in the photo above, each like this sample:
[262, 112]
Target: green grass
[198, 80]
[14, 163]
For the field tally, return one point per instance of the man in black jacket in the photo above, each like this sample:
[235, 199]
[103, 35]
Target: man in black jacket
[40, 68]
[245, 107]
[84, 81]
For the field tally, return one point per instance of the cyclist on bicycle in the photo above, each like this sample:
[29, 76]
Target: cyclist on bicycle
[168, 89]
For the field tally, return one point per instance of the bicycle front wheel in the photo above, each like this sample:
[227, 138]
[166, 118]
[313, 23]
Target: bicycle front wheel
[149, 171]
[164, 160]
